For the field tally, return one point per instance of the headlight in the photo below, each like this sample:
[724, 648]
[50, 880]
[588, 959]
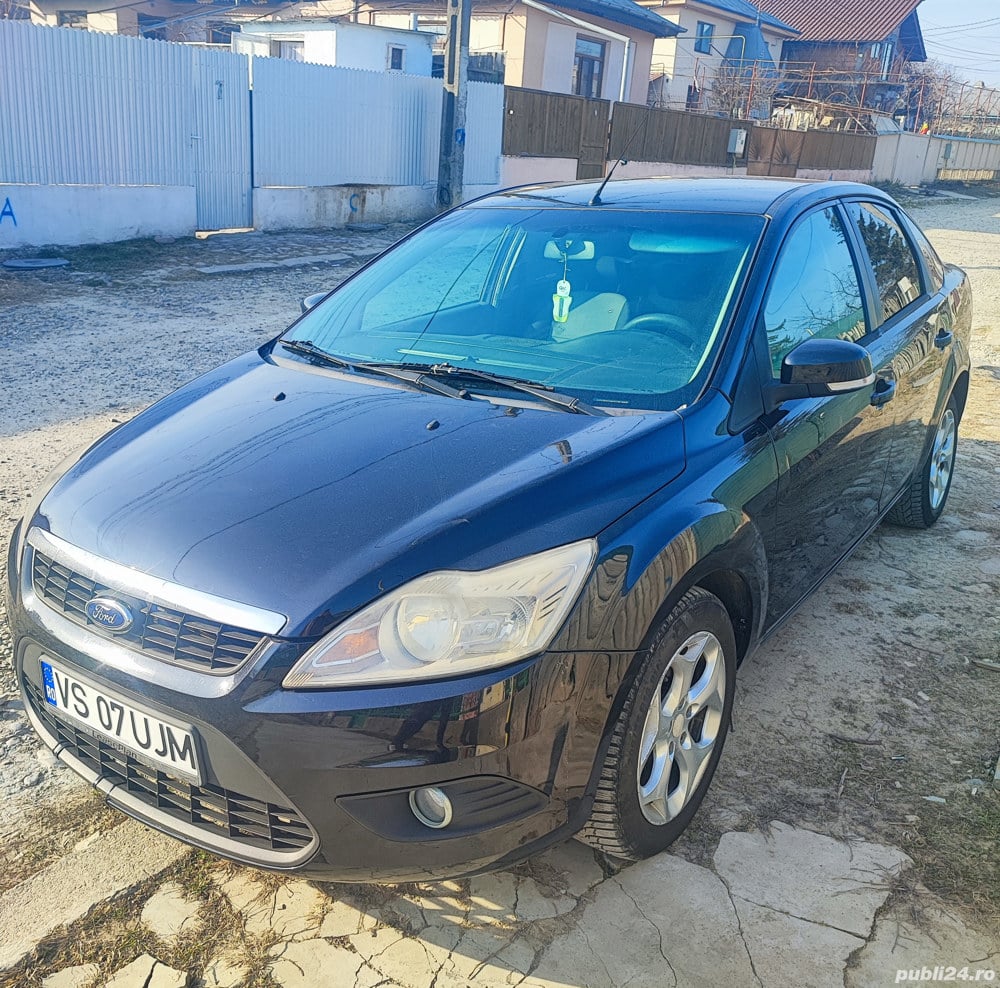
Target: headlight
[450, 623]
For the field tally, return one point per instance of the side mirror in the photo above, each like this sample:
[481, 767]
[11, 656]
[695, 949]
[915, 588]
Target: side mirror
[310, 300]
[819, 368]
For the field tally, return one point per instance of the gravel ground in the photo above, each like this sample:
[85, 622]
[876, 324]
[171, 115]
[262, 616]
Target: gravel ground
[865, 704]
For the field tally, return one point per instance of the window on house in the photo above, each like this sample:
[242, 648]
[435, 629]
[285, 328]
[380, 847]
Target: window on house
[703, 37]
[72, 18]
[588, 67]
[221, 32]
[294, 51]
[152, 27]
[693, 101]
[395, 58]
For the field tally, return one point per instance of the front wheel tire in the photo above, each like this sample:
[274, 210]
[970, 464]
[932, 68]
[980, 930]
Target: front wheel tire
[669, 735]
[924, 499]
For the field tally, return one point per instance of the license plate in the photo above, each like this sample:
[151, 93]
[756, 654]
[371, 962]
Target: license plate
[163, 744]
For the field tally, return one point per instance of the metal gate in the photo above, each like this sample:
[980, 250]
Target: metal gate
[220, 140]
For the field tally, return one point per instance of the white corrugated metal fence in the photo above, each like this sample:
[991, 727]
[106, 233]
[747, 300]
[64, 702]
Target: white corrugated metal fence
[316, 125]
[83, 108]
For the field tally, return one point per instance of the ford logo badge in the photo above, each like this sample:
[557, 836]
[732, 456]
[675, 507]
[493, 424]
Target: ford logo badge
[110, 614]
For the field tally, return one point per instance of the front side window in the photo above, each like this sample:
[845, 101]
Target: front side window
[703, 37]
[814, 290]
[897, 273]
[620, 308]
[588, 68]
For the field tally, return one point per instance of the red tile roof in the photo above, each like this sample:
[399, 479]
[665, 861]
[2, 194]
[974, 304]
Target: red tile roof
[841, 20]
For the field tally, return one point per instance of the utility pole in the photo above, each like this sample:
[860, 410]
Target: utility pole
[451, 164]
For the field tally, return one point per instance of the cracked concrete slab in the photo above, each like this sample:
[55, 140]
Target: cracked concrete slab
[662, 923]
[168, 913]
[147, 972]
[781, 944]
[68, 889]
[810, 876]
[81, 976]
[921, 935]
[315, 963]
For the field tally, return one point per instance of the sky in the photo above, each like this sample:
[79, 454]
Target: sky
[964, 34]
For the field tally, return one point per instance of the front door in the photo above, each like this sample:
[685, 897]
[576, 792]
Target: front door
[832, 452]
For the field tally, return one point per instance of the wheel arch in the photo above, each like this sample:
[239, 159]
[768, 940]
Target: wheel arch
[722, 553]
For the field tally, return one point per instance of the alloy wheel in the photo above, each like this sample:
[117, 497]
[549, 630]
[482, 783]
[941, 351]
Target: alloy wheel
[942, 459]
[682, 725]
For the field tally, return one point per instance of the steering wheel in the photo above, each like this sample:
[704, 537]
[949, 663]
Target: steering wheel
[650, 320]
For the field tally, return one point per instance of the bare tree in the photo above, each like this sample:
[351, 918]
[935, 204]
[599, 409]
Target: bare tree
[13, 10]
[931, 93]
[743, 91]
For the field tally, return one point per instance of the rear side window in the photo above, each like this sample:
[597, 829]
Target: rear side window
[814, 290]
[935, 268]
[897, 273]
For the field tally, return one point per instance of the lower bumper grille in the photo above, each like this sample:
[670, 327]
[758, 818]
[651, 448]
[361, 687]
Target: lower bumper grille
[215, 811]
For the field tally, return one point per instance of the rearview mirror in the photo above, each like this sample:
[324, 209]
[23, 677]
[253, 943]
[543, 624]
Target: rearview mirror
[571, 250]
[310, 300]
[819, 368]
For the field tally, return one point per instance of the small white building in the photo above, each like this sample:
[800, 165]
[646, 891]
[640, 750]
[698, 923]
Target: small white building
[342, 43]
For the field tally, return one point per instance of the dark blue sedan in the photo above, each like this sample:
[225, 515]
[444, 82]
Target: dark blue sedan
[465, 562]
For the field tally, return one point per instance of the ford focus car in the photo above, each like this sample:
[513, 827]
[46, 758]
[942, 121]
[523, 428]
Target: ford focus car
[465, 562]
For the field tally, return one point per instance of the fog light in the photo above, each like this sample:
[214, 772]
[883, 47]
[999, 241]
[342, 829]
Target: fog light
[431, 807]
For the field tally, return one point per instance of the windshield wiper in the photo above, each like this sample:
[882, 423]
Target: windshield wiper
[307, 348]
[543, 392]
[396, 372]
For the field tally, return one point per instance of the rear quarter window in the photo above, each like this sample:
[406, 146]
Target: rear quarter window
[897, 271]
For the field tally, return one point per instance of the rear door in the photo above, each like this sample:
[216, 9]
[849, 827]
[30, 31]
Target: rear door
[914, 326]
[832, 452]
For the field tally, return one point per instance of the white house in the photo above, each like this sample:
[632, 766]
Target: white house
[342, 43]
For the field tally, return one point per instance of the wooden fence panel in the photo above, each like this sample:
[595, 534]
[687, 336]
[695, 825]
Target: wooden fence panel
[641, 133]
[830, 149]
[553, 125]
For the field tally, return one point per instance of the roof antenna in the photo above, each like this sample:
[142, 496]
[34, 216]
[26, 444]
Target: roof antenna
[596, 198]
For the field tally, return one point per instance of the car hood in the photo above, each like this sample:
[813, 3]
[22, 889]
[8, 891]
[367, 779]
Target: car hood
[311, 492]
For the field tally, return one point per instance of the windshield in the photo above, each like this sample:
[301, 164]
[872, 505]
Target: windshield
[620, 308]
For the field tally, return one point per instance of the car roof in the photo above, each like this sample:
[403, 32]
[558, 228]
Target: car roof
[704, 195]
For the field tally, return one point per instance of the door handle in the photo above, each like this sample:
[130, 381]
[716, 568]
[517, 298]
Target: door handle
[944, 339]
[885, 391]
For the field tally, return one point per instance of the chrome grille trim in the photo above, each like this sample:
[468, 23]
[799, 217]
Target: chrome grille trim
[197, 603]
[169, 635]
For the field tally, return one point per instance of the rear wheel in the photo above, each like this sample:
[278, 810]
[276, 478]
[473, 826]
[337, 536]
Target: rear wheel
[669, 736]
[924, 499]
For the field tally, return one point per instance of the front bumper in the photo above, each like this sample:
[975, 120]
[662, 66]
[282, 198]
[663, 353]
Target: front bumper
[319, 781]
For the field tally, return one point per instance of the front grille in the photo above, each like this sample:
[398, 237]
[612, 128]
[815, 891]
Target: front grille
[166, 634]
[215, 810]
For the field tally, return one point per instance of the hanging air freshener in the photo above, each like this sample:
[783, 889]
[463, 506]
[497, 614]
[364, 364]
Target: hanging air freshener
[562, 300]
